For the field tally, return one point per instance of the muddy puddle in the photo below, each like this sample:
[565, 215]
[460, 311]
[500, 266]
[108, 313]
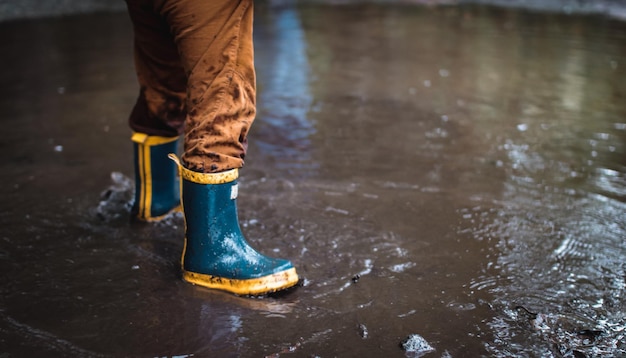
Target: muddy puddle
[448, 180]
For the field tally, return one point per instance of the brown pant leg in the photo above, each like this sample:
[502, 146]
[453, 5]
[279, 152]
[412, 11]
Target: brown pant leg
[160, 107]
[214, 40]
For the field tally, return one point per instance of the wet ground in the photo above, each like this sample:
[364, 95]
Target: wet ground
[451, 173]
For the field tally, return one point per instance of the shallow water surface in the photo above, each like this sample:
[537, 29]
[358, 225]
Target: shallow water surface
[455, 174]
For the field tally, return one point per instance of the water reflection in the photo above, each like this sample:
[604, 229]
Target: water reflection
[559, 222]
[284, 99]
[509, 112]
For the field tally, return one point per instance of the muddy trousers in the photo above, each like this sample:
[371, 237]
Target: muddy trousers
[195, 65]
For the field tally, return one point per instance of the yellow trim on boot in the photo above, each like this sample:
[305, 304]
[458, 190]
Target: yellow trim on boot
[145, 195]
[255, 286]
[151, 140]
[205, 178]
[151, 219]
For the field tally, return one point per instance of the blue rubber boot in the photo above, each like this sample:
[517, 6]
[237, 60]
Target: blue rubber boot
[216, 254]
[157, 185]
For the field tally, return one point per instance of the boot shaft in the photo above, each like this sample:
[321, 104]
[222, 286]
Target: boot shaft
[211, 207]
[157, 186]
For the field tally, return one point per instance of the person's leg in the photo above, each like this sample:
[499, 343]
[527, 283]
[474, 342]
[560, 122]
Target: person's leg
[214, 39]
[160, 109]
[158, 115]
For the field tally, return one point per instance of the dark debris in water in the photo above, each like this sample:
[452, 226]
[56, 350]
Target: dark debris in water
[528, 314]
[590, 334]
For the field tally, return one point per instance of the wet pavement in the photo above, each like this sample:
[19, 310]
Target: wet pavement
[447, 177]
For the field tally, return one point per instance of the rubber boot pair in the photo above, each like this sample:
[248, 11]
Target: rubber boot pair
[216, 254]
